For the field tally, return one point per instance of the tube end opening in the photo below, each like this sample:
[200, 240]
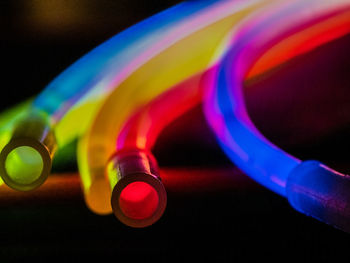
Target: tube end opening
[25, 164]
[139, 200]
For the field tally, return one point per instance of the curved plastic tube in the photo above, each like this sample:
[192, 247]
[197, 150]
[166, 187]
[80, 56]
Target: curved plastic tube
[68, 126]
[136, 140]
[311, 187]
[24, 161]
[225, 108]
[8, 119]
[94, 153]
[141, 130]
[139, 195]
[191, 49]
[94, 71]
[301, 42]
[77, 92]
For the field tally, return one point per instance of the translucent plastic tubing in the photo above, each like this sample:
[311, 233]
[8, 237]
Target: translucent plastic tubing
[311, 187]
[9, 118]
[141, 129]
[190, 50]
[135, 142]
[103, 75]
[94, 151]
[66, 106]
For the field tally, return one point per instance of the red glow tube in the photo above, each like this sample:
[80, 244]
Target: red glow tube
[135, 202]
[139, 197]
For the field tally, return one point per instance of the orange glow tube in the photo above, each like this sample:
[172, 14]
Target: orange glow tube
[303, 41]
[136, 141]
[141, 130]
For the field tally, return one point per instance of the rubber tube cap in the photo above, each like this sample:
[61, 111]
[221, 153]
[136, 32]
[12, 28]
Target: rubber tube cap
[318, 191]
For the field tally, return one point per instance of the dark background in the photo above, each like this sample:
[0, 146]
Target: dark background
[214, 211]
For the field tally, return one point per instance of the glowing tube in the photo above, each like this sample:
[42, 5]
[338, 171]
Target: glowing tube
[226, 111]
[136, 187]
[135, 140]
[69, 125]
[94, 151]
[25, 161]
[78, 92]
[302, 42]
[190, 50]
[141, 130]
[81, 87]
[310, 187]
[94, 71]
[9, 117]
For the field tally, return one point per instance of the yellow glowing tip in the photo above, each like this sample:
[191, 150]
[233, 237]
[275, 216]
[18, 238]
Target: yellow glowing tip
[24, 165]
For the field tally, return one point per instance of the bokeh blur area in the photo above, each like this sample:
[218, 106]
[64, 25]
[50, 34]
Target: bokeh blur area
[214, 211]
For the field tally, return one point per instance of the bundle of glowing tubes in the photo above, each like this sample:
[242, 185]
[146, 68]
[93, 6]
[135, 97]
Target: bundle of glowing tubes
[117, 99]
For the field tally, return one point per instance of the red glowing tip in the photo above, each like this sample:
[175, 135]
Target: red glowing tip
[138, 200]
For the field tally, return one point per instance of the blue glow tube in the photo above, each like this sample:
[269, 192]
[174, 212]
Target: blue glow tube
[226, 110]
[94, 70]
[311, 187]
